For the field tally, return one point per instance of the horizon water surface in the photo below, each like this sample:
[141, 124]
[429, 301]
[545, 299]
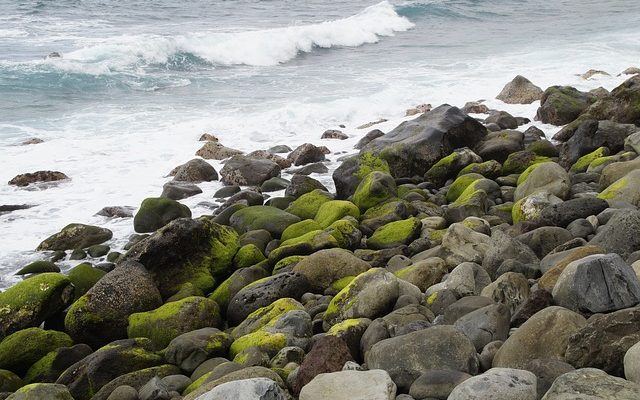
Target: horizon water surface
[137, 84]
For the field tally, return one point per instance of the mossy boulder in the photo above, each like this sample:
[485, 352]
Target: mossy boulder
[395, 234]
[352, 171]
[187, 250]
[232, 285]
[30, 302]
[101, 315]
[38, 267]
[346, 233]
[169, 321]
[52, 365]
[302, 184]
[300, 228]
[530, 208]
[84, 276]
[86, 377]
[423, 274]
[499, 145]
[333, 210]
[489, 169]
[307, 205]
[303, 245]
[9, 382]
[583, 162]
[187, 289]
[247, 256]
[375, 188]
[156, 212]
[40, 391]
[519, 161]
[265, 316]
[75, 236]
[449, 166]
[543, 148]
[199, 388]
[625, 190]
[560, 105]
[549, 177]
[325, 267]
[460, 184]
[599, 164]
[269, 218]
[472, 202]
[286, 264]
[22, 349]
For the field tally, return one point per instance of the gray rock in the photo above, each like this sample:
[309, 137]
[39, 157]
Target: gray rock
[191, 349]
[75, 236]
[547, 370]
[437, 384]
[246, 389]
[41, 391]
[591, 135]
[196, 170]
[498, 145]
[488, 353]
[216, 151]
[545, 239]
[597, 283]
[241, 170]
[485, 325]
[306, 154]
[467, 279]
[117, 212]
[281, 148]
[560, 105]
[621, 234]
[350, 385]
[511, 289]
[178, 190]
[374, 134]
[520, 91]
[124, 392]
[503, 247]
[177, 382]
[549, 177]
[503, 119]
[155, 389]
[498, 384]
[591, 383]
[409, 356]
[632, 363]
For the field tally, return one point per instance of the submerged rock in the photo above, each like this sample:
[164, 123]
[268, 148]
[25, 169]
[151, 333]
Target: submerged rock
[27, 179]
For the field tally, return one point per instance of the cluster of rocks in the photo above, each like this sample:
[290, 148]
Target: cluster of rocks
[457, 259]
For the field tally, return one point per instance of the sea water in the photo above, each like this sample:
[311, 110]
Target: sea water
[138, 82]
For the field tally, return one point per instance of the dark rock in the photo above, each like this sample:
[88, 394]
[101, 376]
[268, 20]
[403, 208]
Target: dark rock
[274, 184]
[75, 236]
[374, 134]
[503, 119]
[38, 267]
[49, 368]
[37, 177]
[562, 214]
[546, 371]
[334, 134]
[537, 300]
[117, 212]
[196, 170]
[266, 155]
[498, 145]
[7, 208]
[315, 168]
[544, 239]
[216, 151]
[353, 170]
[282, 148]
[156, 212]
[301, 184]
[475, 107]
[436, 384]
[560, 105]
[178, 190]
[621, 234]
[241, 170]
[504, 247]
[306, 154]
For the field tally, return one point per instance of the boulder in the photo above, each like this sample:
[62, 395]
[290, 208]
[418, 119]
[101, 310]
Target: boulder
[424, 273]
[267, 155]
[197, 389]
[414, 146]
[244, 171]
[498, 384]
[407, 357]
[186, 250]
[549, 177]
[395, 234]
[191, 349]
[156, 212]
[591, 383]
[510, 288]
[75, 236]
[301, 184]
[233, 284]
[520, 91]
[214, 150]
[544, 335]
[498, 145]
[624, 191]
[503, 119]
[547, 370]
[375, 188]
[30, 302]
[354, 169]
[325, 267]
[448, 167]
[562, 214]
[604, 340]
[126, 290]
[246, 389]
[52, 365]
[178, 190]
[272, 219]
[485, 325]
[37, 391]
[306, 154]
[591, 135]
[307, 205]
[621, 234]
[22, 349]
[27, 179]
[503, 247]
[632, 363]
[544, 239]
[196, 170]
[467, 279]
[350, 385]
[116, 212]
[560, 105]
[374, 134]
[616, 171]
[437, 384]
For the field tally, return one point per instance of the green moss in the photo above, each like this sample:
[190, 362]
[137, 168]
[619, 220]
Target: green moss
[543, 148]
[187, 289]
[266, 316]
[22, 349]
[307, 205]
[437, 235]
[247, 256]
[519, 161]
[156, 212]
[267, 342]
[441, 170]
[613, 190]
[345, 232]
[376, 188]
[395, 234]
[489, 169]
[285, 262]
[523, 176]
[84, 276]
[517, 215]
[460, 184]
[304, 245]
[299, 229]
[341, 327]
[334, 210]
[42, 367]
[466, 196]
[38, 267]
[583, 162]
[432, 298]
[224, 243]
[342, 283]
[368, 162]
[172, 319]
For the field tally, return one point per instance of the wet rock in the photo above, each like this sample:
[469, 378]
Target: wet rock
[216, 151]
[334, 134]
[437, 384]
[196, 170]
[27, 179]
[306, 154]
[374, 134]
[503, 119]
[117, 212]
[242, 170]
[547, 370]
[560, 105]
[75, 236]
[178, 190]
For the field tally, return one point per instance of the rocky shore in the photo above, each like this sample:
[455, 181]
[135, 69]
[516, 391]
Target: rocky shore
[458, 258]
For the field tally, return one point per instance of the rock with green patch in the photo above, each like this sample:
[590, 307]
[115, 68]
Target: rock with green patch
[424, 273]
[156, 212]
[30, 302]
[303, 245]
[395, 234]
[271, 219]
[247, 256]
[351, 331]
[286, 264]
[547, 176]
[300, 228]
[530, 208]
[370, 295]
[375, 188]
[52, 365]
[543, 148]
[22, 349]
[352, 171]
[307, 205]
[274, 184]
[187, 289]
[167, 322]
[9, 382]
[460, 184]
[191, 349]
[232, 285]
[138, 380]
[583, 162]
[38, 267]
[519, 161]
[449, 166]
[187, 250]
[489, 169]
[325, 267]
[334, 210]
[560, 105]
[416, 145]
[346, 233]
[41, 391]
[625, 190]
[98, 250]
[472, 202]
[302, 184]
[86, 377]
[75, 236]
[101, 315]
[197, 389]
[84, 276]
[499, 145]
[617, 170]
[599, 164]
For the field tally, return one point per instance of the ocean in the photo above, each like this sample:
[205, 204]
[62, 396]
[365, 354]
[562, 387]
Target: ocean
[138, 82]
